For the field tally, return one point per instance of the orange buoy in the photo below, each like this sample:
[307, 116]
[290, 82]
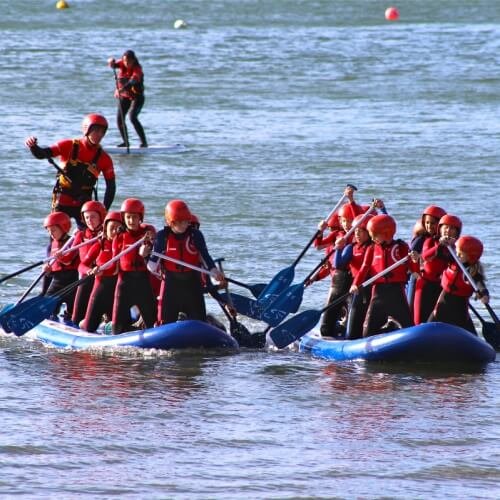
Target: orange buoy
[392, 14]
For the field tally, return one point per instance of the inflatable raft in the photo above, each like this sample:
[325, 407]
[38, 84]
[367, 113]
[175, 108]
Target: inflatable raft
[437, 343]
[189, 334]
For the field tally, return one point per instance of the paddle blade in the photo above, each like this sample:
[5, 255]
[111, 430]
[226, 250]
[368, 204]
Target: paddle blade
[491, 334]
[27, 315]
[294, 328]
[277, 285]
[257, 289]
[252, 309]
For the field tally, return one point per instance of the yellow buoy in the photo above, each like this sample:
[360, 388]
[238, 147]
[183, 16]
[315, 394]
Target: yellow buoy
[179, 24]
[62, 4]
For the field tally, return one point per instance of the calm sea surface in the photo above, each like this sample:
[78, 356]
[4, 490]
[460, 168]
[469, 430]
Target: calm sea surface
[281, 104]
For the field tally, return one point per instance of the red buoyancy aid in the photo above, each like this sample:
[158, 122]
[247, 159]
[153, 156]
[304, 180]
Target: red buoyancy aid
[66, 262]
[99, 253]
[454, 282]
[435, 260]
[379, 257]
[80, 237]
[181, 249]
[131, 261]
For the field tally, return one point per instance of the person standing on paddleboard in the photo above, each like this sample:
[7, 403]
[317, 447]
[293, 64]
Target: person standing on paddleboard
[82, 162]
[130, 94]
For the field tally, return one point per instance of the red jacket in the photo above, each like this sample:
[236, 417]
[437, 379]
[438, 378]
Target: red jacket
[435, 260]
[131, 261]
[66, 262]
[125, 75]
[379, 257]
[98, 254]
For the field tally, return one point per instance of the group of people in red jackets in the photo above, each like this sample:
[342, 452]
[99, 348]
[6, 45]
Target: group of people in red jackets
[439, 289]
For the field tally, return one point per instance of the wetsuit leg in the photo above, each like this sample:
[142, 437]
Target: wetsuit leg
[123, 301]
[100, 302]
[453, 310]
[60, 280]
[341, 281]
[357, 314]
[145, 299]
[135, 109]
[82, 300]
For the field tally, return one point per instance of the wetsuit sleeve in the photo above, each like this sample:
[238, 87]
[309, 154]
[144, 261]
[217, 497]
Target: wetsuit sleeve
[365, 268]
[342, 258]
[41, 153]
[199, 241]
[109, 194]
[417, 243]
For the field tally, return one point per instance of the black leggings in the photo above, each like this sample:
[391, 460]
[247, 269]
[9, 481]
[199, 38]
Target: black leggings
[100, 302]
[135, 107]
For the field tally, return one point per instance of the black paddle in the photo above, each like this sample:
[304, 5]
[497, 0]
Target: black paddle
[491, 331]
[284, 278]
[239, 331]
[297, 326]
[120, 110]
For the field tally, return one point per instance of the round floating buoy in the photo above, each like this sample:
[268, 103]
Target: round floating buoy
[62, 4]
[392, 14]
[179, 24]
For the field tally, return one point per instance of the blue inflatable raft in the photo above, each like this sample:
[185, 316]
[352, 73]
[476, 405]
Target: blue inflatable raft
[437, 343]
[190, 334]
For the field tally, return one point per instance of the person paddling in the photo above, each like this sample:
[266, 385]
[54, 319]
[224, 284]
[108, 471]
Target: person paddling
[82, 161]
[93, 213]
[133, 287]
[182, 288]
[63, 269]
[130, 94]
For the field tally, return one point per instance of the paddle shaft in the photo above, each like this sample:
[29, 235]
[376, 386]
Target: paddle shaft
[120, 110]
[318, 232]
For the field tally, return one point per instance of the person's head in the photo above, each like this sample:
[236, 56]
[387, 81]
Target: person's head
[129, 58]
[449, 226]
[333, 222]
[57, 224]
[93, 213]
[195, 221]
[178, 216]
[94, 127]
[346, 216]
[112, 224]
[361, 234]
[469, 249]
[431, 217]
[132, 211]
[382, 228]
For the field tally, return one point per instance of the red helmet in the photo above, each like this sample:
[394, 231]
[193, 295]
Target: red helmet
[177, 211]
[434, 211]
[133, 206]
[383, 226]
[94, 206]
[347, 211]
[471, 247]
[365, 221]
[60, 219]
[113, 215]
[94, 119]
[450, 220]
[195, 221]
[333, 221]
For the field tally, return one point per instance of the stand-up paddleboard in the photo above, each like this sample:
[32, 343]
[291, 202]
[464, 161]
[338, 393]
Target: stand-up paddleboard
[150, 150]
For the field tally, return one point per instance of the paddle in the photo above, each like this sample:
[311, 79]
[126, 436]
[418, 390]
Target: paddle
[473, 284]
[120, 110]
[289, 300]
[40, 262]
[491, 331]
[284, 278]
[297, 326]
[252, 288]
[27, 315]
[239, 331]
